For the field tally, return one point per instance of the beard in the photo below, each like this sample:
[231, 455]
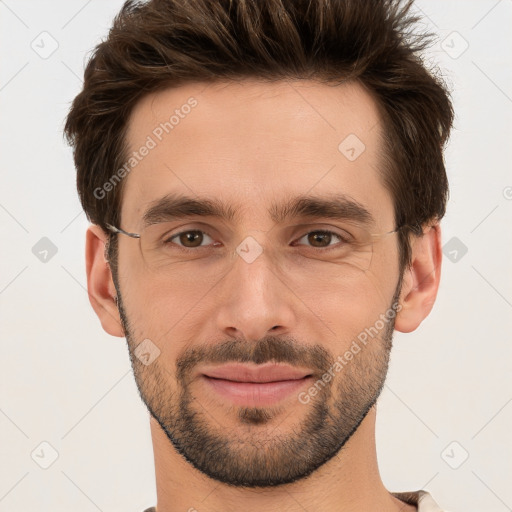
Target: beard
[257, 452]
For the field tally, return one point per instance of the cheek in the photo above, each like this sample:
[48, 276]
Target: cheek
[357, 303]
[351, 308]
[164, 311]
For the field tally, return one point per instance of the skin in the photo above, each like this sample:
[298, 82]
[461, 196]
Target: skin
[249, 144]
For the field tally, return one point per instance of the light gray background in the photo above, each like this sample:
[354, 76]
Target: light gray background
[65, 382]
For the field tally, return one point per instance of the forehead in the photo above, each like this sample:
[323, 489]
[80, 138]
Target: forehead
[250, 143]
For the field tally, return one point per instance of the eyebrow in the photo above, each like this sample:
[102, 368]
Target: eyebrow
[335, 206]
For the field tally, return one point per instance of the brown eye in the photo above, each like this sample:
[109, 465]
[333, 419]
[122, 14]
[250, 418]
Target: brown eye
[321, 239]
[190, 239]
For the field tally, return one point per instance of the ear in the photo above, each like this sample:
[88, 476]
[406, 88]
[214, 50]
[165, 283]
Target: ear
[100, 285]
[421, 280]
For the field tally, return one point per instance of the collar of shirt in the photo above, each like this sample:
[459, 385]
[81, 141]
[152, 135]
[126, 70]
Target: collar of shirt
[422, 499]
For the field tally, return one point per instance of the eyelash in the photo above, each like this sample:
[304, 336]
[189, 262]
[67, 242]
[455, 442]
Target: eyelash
[322, 231]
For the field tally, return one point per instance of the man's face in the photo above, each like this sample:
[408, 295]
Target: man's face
[252, 145]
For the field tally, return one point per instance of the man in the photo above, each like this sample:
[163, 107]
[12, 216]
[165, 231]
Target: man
[265, 182]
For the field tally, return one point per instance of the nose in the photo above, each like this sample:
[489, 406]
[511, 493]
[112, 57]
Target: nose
[255, 301]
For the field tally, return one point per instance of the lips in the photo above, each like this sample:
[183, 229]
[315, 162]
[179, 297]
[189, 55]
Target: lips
[257, 374]
[255, 385]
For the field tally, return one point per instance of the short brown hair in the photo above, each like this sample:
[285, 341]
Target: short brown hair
[167, 43]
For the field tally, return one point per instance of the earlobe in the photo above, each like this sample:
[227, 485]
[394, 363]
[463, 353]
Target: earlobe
[421, 280]
[100, 285]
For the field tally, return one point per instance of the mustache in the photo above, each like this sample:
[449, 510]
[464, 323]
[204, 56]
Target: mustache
[268, 349]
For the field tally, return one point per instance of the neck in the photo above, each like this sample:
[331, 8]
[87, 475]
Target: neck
[350, 481]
